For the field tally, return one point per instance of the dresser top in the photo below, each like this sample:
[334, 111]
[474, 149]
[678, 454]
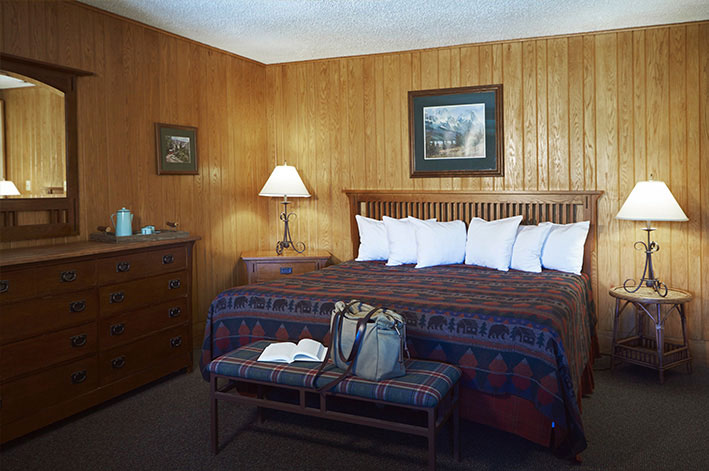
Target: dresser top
[45, 253]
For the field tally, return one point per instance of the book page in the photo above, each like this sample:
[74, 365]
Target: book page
[280, 352]
[309, 350]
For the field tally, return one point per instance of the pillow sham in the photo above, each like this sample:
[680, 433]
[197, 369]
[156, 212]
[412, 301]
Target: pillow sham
[373, 243]
[490, 243]
[439, 243]
[563, 249]
[527, 249]
[402, 240]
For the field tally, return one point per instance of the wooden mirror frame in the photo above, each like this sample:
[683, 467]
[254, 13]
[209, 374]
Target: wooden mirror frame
[63, 213]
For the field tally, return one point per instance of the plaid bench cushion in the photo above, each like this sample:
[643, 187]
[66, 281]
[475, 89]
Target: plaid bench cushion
[424, 384]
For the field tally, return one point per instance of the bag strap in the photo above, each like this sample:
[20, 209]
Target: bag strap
[359, 337]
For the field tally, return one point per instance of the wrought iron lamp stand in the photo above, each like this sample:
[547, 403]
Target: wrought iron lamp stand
[650, 281]
[287, 241]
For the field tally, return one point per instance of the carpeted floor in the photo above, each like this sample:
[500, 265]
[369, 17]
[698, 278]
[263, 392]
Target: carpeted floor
[632, 422]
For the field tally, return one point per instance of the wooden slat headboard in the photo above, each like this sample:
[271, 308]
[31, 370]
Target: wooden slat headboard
[561, 207]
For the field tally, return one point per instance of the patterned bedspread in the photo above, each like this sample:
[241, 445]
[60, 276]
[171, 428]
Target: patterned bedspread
[518, 335]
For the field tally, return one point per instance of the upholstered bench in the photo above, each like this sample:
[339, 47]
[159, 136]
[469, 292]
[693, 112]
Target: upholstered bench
[429, 387]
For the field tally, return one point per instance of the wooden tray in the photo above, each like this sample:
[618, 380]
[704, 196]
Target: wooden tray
[110, 237]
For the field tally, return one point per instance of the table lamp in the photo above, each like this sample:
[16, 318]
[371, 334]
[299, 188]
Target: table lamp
[284, 182]
[649, 201]
[7, 188]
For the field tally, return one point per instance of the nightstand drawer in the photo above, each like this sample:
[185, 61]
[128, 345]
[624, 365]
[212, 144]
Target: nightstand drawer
[272, 271]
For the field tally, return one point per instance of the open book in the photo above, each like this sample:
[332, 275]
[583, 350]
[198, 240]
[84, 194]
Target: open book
[288, 352]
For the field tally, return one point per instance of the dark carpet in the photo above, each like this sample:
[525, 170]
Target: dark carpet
[632, 422]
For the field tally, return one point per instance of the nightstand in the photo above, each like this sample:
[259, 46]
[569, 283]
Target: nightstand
[264, 265]
[650, 350]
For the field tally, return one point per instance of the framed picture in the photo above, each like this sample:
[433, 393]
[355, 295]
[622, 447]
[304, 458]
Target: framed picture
[177, 149]
[456, 132]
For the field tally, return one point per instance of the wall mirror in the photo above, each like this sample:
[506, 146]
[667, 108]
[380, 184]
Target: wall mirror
[38, 149]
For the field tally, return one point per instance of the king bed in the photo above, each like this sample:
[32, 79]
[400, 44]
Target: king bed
[524, 341]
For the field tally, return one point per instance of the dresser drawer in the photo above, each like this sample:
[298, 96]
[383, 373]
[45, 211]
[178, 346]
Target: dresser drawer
[125, 328]
[37, 316]
[50, 279]
[140, 265]
[272, 271]
[38, 352]
[25, 396]
[123, 361]
[132, 295]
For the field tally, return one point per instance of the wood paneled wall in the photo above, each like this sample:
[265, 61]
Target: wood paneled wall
[591, 111]
[143, 76]
[34, 139]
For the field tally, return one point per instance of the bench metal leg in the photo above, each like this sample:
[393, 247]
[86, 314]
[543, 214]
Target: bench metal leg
[456, 424]
[214, 432]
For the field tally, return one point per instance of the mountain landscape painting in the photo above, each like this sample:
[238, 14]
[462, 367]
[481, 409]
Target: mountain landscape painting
[454, 132]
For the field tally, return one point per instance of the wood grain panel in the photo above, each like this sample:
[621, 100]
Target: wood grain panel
[591, 111]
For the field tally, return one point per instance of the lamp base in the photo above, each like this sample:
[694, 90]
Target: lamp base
[650, 281]
[287, 241]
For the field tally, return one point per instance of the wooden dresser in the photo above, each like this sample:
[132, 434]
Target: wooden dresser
[84, 322]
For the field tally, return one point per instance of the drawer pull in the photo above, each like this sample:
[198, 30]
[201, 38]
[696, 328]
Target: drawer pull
[68, 276]
[167, 259]
[117, 297]
[122, 267]
[176, 342]
[4, 286]
[78, 377]
[77, 306]
[78, 340]
[118, 362]
[174, 312]
[286, 270]
[118, 329]
[174, 284]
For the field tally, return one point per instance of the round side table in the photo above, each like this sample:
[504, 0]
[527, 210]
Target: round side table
[650, 350]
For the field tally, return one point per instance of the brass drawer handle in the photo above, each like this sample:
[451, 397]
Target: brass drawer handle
[174, 312]
[122, 267]
[68, 276]
[78, 377]
[77, 306]
[4, 286]
[118, 329]
[118, 362]
[78, 340]
[176, 342]
[117, 297]
[174, 284]
[167, 259]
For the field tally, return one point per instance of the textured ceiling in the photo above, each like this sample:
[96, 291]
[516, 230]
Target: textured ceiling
[272, 31]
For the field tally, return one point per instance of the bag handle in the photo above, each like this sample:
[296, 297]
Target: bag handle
[359, 336]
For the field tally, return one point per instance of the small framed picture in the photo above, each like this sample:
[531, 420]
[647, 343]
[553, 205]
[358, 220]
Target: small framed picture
[177, 149]
[457, 132]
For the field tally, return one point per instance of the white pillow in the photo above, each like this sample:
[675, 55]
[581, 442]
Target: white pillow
[373, 243]
[527, 250]
[563, 249]
[490, 244]
[402, 240]
[439, 243]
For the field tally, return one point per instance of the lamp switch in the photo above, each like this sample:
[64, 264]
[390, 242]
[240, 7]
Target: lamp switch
[28, 185]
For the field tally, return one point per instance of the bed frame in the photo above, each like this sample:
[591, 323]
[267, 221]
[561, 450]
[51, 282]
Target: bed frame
[560, 207]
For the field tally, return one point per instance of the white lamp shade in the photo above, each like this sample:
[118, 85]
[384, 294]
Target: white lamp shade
[7, 188]
[651, 201]
[283, 182]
